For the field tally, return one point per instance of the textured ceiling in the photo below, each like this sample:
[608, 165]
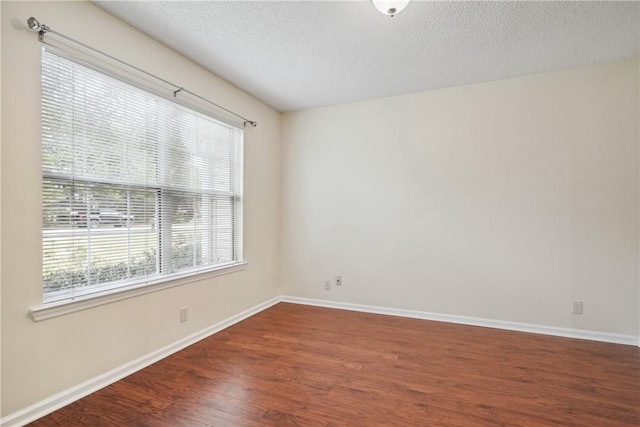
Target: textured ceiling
[300, 54]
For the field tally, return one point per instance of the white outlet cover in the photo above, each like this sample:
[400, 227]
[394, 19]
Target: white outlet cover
[576, 307]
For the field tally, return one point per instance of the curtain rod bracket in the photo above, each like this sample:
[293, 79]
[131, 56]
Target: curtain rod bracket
[250, 122]
[43, 30]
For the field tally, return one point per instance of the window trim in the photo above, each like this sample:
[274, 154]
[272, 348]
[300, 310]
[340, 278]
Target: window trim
[53, 307]
[96, 299]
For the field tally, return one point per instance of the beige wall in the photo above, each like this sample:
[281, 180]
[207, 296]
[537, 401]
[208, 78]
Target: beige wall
[40, 359]
[503, 200]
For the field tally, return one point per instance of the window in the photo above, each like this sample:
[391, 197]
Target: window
[136, 189]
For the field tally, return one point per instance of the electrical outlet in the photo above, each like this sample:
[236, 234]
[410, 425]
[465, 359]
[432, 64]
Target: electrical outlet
[184, 314]
[338, 280]
[327, 285]
[576, 307]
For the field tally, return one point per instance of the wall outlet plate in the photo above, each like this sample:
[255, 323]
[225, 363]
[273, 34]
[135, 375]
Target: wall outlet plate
[576, 307]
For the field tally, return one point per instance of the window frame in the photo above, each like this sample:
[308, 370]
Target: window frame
[121, 289]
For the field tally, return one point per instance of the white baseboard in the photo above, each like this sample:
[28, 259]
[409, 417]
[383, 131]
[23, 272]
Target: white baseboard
[472, 321]
[65, 397]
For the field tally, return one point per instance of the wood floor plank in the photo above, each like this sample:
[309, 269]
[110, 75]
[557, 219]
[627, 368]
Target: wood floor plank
[296, 365]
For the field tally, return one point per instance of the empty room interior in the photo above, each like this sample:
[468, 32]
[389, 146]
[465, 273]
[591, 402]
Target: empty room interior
[320, 213]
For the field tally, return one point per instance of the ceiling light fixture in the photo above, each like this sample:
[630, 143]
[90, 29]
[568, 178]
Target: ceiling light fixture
[390, 7]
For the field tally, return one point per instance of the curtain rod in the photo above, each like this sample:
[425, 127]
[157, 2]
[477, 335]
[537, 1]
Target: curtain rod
[42, 29]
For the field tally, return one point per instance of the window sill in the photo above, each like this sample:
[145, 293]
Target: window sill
[61, 308]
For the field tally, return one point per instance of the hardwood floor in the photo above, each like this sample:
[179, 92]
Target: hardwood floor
[295, 365]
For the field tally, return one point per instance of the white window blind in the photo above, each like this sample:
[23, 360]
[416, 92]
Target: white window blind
[136, 188]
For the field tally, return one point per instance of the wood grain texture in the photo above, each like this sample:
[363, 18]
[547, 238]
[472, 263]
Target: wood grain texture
[296, 365]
